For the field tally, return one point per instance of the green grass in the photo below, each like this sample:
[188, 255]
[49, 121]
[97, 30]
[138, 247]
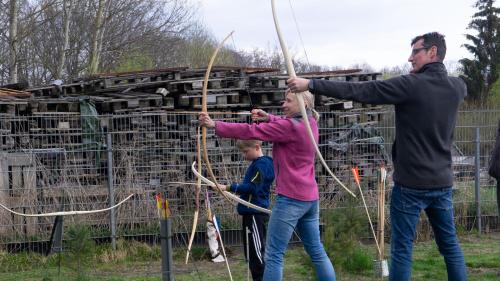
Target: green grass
[134, 261]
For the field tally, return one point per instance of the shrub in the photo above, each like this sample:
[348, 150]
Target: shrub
[344, 228]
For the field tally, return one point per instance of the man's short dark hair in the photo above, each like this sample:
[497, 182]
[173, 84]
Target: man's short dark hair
[433, 39]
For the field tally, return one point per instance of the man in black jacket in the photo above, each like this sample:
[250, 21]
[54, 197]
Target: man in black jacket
[426, 103]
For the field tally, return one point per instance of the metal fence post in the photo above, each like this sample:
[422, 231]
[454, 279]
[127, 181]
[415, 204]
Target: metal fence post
[477, 180]
[112, 221]
[167, 273]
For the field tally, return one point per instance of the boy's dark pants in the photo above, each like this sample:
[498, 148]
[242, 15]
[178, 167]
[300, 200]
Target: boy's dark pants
[256, 225]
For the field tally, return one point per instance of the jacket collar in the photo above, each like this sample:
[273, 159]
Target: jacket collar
[298, 115]
[433, 67]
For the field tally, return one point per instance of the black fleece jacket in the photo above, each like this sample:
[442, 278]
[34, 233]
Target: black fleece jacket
[426, 105]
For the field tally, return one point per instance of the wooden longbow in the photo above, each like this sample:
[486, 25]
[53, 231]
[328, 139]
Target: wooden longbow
[67, 213]
[204, 109]
[300, 98]
[197, 196]
[229, 194]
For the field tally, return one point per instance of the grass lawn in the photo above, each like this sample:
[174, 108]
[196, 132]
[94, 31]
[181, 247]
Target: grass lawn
[139, 262]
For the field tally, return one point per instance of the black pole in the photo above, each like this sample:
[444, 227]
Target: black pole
[166, 250]
[111, 192]
[55, 242]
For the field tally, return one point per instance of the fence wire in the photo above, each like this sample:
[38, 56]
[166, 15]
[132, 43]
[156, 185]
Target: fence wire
[59, 162]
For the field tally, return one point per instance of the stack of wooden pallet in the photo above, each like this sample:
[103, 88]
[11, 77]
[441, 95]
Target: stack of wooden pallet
[152, 119]
[229, 88]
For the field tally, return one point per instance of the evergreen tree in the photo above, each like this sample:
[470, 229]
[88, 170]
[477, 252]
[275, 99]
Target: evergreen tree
[481, 72]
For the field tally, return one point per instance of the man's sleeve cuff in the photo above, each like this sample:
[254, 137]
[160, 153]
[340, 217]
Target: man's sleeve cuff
[310, 86]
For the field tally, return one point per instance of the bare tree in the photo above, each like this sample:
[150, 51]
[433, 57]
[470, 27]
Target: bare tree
[4, 47]
[57, 39]
[155, 28]
[363, 66]
[67, 8]
[97, 38]
[68, 39]
[273, 58]
[29, 55]
[197, 47]
[13, 40]
[389, 72]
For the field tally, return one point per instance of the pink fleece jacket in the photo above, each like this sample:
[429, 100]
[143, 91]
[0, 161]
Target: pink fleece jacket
[293, 152]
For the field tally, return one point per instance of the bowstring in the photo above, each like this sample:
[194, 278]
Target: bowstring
[299, 33]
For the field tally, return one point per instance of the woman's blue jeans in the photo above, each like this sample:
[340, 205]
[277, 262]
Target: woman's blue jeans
[287, 215]
[406, 205]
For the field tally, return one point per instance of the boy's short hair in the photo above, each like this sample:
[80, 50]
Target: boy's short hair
[248, 143]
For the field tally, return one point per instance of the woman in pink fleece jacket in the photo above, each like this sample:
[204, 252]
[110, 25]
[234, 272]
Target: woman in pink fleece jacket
[297, 201]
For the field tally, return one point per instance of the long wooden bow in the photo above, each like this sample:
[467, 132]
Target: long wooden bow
[229, 194]
[204, 139]
[205, 151]
[197, 196]
[67, 213]
[300, 98]
[204, 109]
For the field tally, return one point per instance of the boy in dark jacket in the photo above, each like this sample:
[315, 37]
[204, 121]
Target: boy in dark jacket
[255, 189]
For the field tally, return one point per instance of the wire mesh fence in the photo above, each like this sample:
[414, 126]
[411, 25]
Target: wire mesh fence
[60, 162]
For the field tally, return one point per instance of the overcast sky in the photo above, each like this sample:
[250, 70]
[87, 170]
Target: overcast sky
[341, 32]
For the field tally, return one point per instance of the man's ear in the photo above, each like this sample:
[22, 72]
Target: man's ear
[433, 53]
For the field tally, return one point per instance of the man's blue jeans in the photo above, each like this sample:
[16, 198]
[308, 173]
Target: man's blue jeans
[406, 205]
[287, 214]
